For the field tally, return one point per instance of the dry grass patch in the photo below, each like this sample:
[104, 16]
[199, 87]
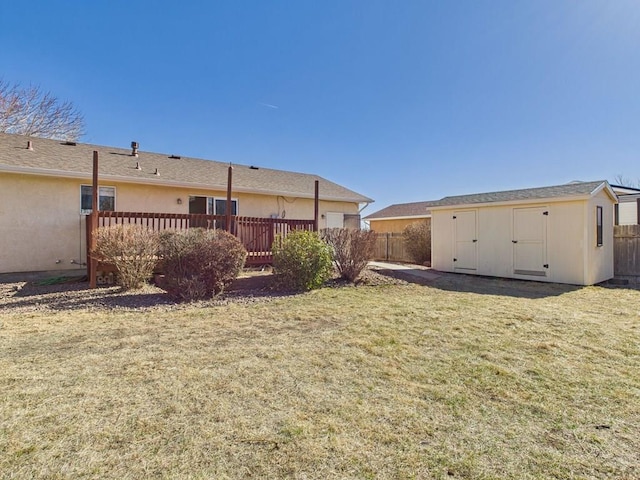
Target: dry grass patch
[467, 378]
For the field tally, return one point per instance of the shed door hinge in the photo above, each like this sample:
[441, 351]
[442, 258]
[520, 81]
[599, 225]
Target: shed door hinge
[545, 213]
[454, 217]
[546, 265]
[455, 259]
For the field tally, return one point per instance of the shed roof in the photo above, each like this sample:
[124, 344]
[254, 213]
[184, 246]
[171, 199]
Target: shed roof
[75, 160]
[402, 210]
[574, 189]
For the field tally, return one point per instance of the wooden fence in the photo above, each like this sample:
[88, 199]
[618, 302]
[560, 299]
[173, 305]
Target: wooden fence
[626, 250]
[256, 234]
[391, 247]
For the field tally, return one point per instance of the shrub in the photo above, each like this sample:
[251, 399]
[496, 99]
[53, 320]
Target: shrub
[132, 249]
[417, 239]
[199, 263]
[301, 261]
[352, 250]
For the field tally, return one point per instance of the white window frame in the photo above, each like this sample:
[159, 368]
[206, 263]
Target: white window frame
[87, 211]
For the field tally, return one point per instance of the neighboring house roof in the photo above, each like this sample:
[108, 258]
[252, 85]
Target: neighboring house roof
[400, 211]
[65, 159]
[622, 190]
[558, 192]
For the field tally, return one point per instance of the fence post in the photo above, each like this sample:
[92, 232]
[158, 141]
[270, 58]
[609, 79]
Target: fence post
[316, 202]
[92, 264]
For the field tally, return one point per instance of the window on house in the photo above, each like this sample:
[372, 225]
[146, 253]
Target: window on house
[212, 205]
[106, 199]
[599, 236]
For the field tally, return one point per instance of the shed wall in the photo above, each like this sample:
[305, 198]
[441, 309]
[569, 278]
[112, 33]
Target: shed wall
[566, 237]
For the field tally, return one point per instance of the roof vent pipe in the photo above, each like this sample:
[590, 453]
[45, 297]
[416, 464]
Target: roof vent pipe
[29, 145]
[138, 167]
[157, 172]
[134, 149]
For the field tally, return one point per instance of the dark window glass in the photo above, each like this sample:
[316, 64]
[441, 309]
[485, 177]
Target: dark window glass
[106, 198]
[599, 242]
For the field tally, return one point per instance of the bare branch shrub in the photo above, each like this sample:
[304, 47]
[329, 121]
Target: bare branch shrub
[132, 249]
[32, 111]
[417, 239]
[352, 250]
[198, 263]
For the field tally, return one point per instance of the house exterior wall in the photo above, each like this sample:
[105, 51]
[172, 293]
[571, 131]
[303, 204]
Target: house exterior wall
[394, 226]
[570, 241]
[627, 212]
[42, 227]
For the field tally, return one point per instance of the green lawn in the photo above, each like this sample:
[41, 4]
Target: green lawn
[466, 378]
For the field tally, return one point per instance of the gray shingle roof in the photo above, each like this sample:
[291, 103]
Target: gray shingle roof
[57, 158]
[414, 209]
[575, 189]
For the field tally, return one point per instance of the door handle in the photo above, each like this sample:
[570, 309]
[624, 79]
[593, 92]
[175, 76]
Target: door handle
[514, 241]
[475, 240]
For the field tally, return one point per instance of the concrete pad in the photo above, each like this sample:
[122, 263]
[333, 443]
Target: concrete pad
[420, 271]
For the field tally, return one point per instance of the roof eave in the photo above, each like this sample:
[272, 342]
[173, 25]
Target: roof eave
[525, 201]
[166, 183]
[404, 217]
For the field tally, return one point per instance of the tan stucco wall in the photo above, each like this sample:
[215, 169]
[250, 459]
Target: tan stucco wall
[41, 223]
[571, 252]
[394, 226]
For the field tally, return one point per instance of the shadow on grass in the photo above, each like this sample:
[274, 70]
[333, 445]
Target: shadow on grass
[458, 282]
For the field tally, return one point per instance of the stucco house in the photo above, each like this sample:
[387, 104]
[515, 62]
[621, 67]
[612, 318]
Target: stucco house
[395, 218]
[562, 233]
[46, 192]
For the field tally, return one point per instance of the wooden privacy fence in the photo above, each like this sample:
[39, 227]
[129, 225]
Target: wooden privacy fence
[391, 247]
[256, 234]
[626, 250]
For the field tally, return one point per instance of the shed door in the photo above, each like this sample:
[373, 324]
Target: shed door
[465, 238]
[530, 241]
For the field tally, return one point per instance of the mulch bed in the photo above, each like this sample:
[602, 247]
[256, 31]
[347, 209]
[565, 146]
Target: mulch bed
[252, 286]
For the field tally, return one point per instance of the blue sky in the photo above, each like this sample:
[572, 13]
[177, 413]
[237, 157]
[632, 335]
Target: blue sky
[401, 101]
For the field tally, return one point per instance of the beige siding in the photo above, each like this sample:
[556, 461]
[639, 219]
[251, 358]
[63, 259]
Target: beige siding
[394, 226]
[570, 241]
[42, 228]
[627, 213]
[600, 259]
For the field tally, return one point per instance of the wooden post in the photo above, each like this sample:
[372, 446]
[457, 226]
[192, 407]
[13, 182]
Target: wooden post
[228, 210]
[316, 205]
[92, 264]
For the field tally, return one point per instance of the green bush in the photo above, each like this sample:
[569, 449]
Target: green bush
[301, 261]
[132, 249]
[417, 240]
[352, 250]
[198, 263]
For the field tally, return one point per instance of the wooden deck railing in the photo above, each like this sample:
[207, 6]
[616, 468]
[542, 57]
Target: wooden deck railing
[256, 234]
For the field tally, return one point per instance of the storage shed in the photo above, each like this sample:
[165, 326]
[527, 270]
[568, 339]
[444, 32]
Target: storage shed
[561, 234]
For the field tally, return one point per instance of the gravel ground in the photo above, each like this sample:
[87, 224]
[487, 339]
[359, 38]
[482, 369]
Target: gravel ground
[24, 297]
